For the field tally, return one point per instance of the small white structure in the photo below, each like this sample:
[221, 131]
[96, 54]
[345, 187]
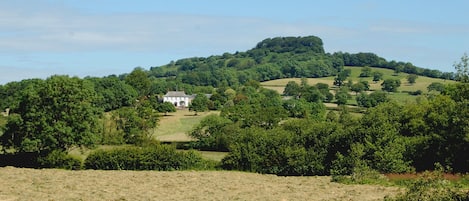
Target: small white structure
[179, 98]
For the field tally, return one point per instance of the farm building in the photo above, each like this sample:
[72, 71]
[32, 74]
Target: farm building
[179, 98]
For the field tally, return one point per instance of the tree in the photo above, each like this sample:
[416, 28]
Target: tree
[342, 96]
[138, 79]
[398, 69]
[366, 72]
[166, 107]
[292, 89]
[411, 78]
[136, 122]
[341, 77]
[113, 93]
[55, 114]
[436, 86]
[377, 76]
[391, 85]
[357, 87]
[371, 100]
[199, 104]
[462, 69]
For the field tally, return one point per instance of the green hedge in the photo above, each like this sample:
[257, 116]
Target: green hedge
[60, 159]
[160, 157]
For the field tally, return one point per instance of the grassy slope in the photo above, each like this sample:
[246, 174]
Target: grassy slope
[175, 126]
[401, 96]
[51, 184]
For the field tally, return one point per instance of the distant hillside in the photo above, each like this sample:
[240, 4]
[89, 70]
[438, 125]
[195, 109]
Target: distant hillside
[275, 58]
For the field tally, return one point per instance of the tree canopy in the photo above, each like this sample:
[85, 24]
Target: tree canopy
[54, 114]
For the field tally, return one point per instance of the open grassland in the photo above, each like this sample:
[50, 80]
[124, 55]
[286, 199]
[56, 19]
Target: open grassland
[401, 96]
[174, 127]
[52, 184]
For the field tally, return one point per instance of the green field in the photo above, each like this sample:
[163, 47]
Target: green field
[175, 126]
[400, 96]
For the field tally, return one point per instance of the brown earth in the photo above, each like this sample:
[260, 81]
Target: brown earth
[51, 184]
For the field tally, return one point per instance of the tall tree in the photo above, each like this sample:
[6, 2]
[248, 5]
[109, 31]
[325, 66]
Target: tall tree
[54, 114]
[139, 80]
[462, 69]
[135, 122]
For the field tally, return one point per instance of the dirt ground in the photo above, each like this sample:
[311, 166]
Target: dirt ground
[51, 184]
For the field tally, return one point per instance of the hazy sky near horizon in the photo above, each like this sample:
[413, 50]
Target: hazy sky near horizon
[39, 38]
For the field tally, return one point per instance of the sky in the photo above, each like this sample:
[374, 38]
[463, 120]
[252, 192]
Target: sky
[40, 38]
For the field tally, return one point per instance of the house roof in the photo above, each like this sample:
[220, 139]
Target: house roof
[175, 94]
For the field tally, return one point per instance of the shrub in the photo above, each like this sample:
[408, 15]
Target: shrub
[160, 157]
[60, 159]
[431, 186]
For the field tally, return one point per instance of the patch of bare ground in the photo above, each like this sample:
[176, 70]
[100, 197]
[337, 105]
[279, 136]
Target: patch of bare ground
[51, 184]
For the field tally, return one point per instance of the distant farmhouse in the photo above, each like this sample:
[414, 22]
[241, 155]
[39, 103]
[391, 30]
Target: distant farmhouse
[180, 99]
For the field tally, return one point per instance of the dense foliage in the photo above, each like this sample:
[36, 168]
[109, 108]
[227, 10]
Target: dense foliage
[156, 157]
[54, 114]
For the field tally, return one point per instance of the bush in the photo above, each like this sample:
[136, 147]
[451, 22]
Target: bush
[431, 187]
[160, 157]
[60, 159]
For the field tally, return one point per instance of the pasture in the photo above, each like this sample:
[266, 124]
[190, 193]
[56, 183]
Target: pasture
[175, 126]
[400, 96]
[53, 184]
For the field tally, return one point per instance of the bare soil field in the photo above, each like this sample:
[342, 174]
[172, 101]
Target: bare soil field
[52, 184]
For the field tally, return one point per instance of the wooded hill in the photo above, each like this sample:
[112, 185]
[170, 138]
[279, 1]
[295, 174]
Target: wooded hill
[275, 58]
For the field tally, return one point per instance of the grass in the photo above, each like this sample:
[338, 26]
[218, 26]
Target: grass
[213, 155]
[53, 184]
[175, 126]
[400, 96]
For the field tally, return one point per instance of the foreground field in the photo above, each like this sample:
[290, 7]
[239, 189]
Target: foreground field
[50, 184]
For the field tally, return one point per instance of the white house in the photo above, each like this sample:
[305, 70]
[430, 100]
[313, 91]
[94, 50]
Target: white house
[178, 98]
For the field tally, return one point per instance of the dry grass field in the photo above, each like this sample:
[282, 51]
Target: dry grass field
[51, 184]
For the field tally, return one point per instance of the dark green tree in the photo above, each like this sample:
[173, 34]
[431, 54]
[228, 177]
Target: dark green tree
[411, 78]
[166, 107]
[377, 76]
[358, 87]
[391, 85]
[55, 114]
[341, 77]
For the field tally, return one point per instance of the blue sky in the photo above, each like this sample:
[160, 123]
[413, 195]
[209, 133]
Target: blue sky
[39, 38]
